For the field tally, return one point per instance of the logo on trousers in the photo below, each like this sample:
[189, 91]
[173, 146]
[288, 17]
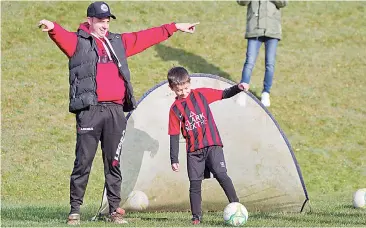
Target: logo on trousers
[119, 149]
[222, 164]
[85, 128]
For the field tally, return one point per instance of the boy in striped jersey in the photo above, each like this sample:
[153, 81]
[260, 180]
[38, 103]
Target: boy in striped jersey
[191, 114]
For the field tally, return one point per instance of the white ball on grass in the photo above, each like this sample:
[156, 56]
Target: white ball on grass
[359, 198]
[138, 200]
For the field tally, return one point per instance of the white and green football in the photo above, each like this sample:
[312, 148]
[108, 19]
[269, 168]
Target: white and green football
[235, 214]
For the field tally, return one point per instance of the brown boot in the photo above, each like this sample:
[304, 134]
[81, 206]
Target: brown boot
[117, 216]
[73, 220]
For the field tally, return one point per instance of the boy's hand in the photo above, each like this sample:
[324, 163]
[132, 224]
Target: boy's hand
[244, 86]
[186, 27]
[175, 167]
[48, 25]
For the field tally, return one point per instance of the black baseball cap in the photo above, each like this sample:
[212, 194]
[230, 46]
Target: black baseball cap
[99, 10]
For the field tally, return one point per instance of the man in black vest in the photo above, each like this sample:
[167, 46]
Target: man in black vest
[100, 93]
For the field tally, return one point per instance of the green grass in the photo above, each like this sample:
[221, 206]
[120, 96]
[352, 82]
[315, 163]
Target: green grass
[318, 98]
[326, 212]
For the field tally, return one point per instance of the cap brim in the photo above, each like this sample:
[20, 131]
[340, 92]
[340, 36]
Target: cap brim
[104, 15]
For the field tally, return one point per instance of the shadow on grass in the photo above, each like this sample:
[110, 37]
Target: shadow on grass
[194, 63]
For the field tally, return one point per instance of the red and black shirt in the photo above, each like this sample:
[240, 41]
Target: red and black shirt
[193, 117]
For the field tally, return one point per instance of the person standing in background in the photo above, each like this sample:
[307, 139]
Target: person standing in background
[263, 25]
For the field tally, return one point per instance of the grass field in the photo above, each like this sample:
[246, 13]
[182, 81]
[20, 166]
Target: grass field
[326, 212]
[318, 99]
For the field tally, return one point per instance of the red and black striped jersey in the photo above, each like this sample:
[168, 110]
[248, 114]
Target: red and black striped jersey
[193, 117]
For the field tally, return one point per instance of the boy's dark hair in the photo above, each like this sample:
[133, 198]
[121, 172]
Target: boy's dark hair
[178, 76]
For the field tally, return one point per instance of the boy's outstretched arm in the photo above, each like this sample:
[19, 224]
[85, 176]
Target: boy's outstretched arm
[213, 95]
[232, 91]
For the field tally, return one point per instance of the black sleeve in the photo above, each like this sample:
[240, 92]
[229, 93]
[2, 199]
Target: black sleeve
[230, 92]
[174, 148]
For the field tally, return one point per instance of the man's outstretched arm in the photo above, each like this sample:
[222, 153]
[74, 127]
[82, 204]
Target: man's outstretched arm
[136, 42]
[64, 39]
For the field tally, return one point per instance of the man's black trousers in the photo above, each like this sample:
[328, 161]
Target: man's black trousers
[106, 123]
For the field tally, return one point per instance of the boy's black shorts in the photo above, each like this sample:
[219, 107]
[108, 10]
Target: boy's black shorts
[207, 159]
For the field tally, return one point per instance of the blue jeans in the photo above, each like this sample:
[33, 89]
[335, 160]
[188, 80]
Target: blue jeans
[253, 47]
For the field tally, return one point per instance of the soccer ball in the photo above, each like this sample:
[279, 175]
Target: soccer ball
[137, 200]
[359, 198]
[235, 214]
